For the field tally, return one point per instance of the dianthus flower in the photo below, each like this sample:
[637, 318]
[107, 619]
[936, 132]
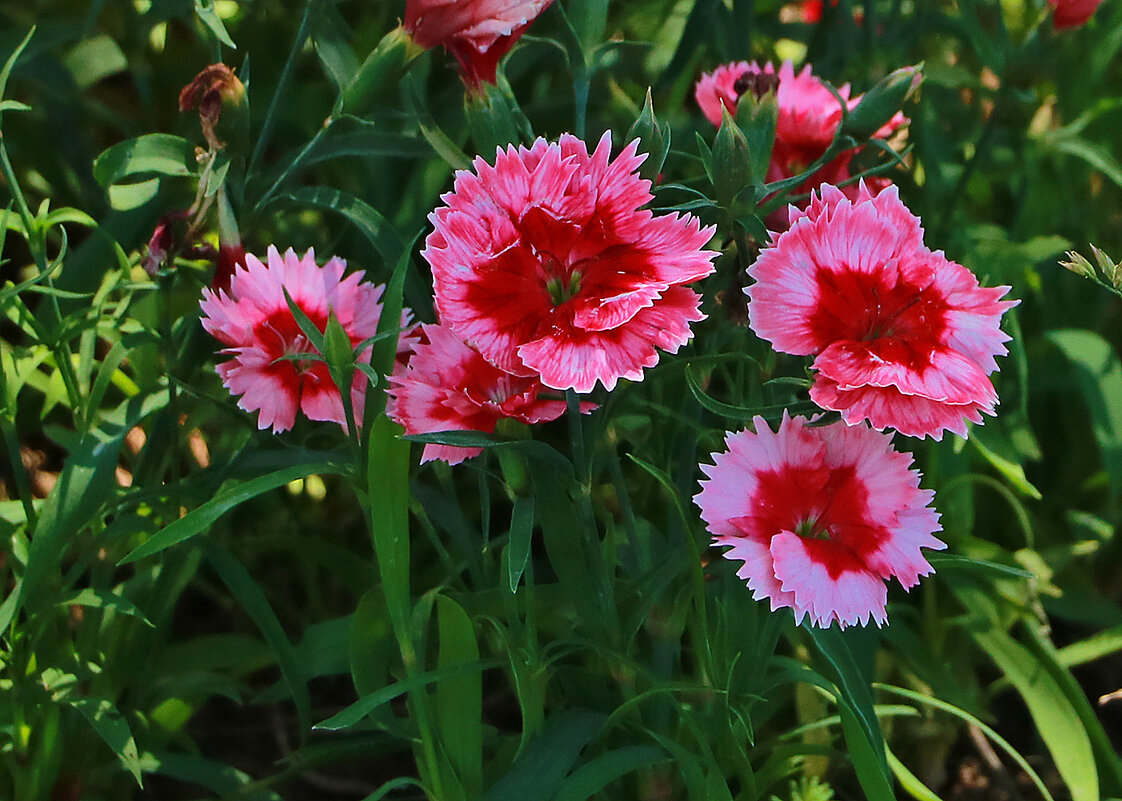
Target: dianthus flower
[821, 517]
[808, 118]
[448, 386]
[477, 32]
[548, 266]
[256, 324]
[1072, 13]
[904, 338]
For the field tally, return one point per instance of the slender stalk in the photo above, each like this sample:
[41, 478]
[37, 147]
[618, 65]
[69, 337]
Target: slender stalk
[292, 165]
[270, 122]
[38, 245]
[19, 472]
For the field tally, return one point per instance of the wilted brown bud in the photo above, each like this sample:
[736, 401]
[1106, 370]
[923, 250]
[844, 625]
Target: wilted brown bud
[215, 86]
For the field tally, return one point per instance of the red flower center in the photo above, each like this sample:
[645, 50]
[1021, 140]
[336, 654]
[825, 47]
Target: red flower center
[279, 337]
[905, 319]
[827, 505]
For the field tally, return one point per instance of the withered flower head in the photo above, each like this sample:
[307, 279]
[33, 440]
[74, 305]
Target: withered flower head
[210, 89]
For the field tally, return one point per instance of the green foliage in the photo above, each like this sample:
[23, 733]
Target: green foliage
[545, 621]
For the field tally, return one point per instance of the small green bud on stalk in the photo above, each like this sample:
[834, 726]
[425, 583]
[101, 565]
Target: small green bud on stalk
[757, 115]
[654, 139]
[880, 103]
[382, 69]
[732, 165]
[1079, 265]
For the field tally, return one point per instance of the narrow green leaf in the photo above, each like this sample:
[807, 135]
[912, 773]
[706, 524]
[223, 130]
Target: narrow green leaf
[867, 755]
[854, 687]
[538, 773]
[521, 534]
[1056, 720]
[103, 599]
[9, 65]
[209, 16]
[588, 780]
[113, 729]
[354, 713]
[954, 561]
[365, 217]
[459, 699]
[388, 495]
[909, 782]
[962, 714]
[203, 517]
[256, 605]
[307, 327]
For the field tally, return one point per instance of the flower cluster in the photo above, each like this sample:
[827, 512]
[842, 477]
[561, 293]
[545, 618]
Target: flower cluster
[550, 276]
[808, 119]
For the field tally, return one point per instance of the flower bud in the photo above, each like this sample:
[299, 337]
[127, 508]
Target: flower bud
[880, 104]
[654, 139]
[1072, 13]
[732, 165]
[381, 70]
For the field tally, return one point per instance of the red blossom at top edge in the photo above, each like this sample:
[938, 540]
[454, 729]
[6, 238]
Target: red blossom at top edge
[903, 337]
[820, 516]
[1072, 13]
[548, 265]
[477, 32]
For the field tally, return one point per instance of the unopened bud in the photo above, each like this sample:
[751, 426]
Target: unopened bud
[654, 139]
[878, 106]
[1078, 265]
[732, 164]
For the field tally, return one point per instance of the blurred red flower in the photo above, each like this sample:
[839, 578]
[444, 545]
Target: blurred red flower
[1072, 13]
[808, 118]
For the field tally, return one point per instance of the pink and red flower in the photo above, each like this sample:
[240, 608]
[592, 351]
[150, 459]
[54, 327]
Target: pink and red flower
[1072, 13]
[548, 266]
[808, 118]
[903, 337]
[256, 324]
[820, 516]
[448, 386]
[477, 32]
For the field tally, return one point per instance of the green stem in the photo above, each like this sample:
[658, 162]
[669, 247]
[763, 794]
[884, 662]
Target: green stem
[19, 473]
[292, 165]
[37, 243]
[302, 34]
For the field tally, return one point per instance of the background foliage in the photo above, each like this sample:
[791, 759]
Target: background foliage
[570, 637]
